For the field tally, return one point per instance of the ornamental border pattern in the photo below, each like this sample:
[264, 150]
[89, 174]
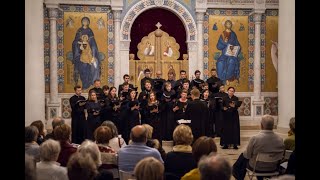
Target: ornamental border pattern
[170, 4]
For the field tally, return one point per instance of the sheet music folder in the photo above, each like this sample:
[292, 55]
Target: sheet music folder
[183, 121]
[237, 103]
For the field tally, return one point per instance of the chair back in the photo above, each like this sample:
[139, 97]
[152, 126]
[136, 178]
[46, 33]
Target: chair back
[126, 175]
[269, 157]
[287, 154]
[274, 157]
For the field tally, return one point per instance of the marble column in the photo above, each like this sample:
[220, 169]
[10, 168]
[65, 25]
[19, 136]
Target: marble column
[257, 99]
[117, 61]
[53, 104]
[200, 16]
[193, 55]
[286, 62]
[34, 62]
[124, 56]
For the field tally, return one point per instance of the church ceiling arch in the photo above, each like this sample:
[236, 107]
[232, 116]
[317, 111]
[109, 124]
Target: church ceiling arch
[171, 5]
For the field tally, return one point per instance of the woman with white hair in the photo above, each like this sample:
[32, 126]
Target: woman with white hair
[91, 148]
[48, 168]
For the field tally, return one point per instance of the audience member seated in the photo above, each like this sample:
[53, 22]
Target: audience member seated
[81, 167]
[31, 147]
[58, 121]
[214, 166]
[62, 134]
[39, 124]
[154, 143]
[109, 158]
[48, 168]
[29, 168]
[149, 168]
[266, 141]
[91, 148]
[131, 154]
[180, 160]
[202, 146]
[117, 141]
[289, 142]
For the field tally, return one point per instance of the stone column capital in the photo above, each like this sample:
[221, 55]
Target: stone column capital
[192, 46]
[53, 13]
[257, 17]
[116, 15]
[199, 16]
[124, 45]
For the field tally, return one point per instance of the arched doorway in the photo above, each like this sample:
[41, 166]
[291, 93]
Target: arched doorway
[176, 8]
[141, 33]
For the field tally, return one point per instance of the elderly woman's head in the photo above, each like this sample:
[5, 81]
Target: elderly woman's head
[112, 126]
[182, 135]
[149, 168]
[203, 146]
[102, 135]
[91, 148]
[30, 134]
[49, 150]
[62, 133]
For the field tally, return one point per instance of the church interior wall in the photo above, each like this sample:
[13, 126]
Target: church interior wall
[241, 16]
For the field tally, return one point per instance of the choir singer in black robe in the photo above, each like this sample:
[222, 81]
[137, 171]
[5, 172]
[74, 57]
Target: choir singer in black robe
[218, 110]
[78, 119]
[231, 125]
[197, 112]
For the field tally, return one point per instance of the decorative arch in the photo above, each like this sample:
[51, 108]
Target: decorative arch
[170, 5]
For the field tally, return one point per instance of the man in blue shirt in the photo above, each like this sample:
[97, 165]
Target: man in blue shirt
[131, 154]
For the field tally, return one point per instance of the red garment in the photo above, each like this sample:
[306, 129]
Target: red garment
[67, 150]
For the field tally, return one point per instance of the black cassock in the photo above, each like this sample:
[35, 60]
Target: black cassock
[114, 103]
[181, 112]
[211, 117]
[143, 101]
[93, 121]
[129, 118]
[231, 125]
[78, 119]
[197, 112]
[154, 119]
[167, 116]
[218, 112]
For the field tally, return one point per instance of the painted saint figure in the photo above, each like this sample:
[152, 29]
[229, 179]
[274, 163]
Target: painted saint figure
[149, 50]
[85, 55]
[168, 52]
[228, 64]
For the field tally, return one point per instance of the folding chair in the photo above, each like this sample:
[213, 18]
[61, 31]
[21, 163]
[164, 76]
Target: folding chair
[267, 158]
[126, 175]
[287, 154]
